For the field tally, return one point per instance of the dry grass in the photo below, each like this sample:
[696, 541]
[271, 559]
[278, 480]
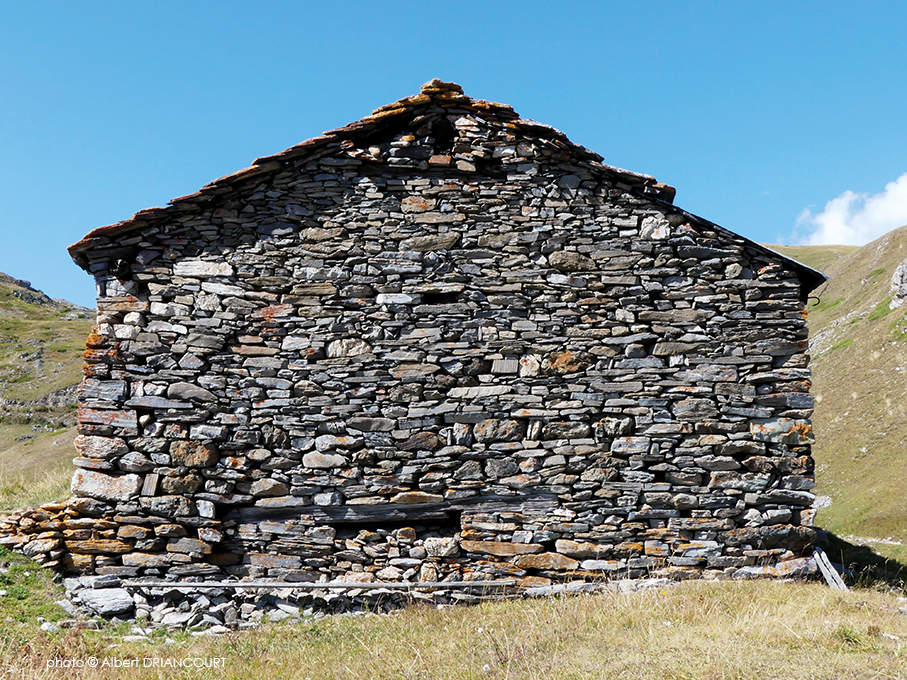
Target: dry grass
[696, 630]
[41, 349]
[34, 471]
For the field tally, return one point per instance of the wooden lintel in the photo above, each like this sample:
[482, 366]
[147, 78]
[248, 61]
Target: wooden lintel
[395, 512]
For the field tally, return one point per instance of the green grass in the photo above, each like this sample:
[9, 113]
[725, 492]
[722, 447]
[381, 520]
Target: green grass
[898, 328]
[30, 593]
[823, 305]
[842, 344]
[881, 310]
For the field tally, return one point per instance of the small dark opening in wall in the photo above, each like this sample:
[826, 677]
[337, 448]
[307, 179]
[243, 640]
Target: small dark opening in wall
[439, 298]
[121, 269]
[446, 526]
[443, 132]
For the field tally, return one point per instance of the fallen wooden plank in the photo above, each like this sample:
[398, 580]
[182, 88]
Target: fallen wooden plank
[832, 577]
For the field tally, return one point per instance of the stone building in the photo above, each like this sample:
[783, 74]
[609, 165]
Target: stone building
[440, 343]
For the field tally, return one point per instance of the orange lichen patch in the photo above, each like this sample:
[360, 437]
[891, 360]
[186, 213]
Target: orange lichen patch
[101, 356]
[804, 430]
[628, 548]
[494, 108]
[546, 560]
[98, 546]
[95, 341]
[783, 431]
[417, 204]
[401, 104]
[194, 454]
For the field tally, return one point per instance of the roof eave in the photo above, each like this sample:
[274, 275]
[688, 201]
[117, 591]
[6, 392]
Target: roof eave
[809, 277]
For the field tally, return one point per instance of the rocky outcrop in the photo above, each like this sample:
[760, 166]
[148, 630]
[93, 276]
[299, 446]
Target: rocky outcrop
[898, 287]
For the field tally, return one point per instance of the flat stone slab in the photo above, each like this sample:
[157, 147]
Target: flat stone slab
[107, 601]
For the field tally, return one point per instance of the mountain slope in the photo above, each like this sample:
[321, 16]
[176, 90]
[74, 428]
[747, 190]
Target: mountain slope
[41, 343]
[859, 362]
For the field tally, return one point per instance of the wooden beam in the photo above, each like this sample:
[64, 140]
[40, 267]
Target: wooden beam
[394, 512]
[331, 585]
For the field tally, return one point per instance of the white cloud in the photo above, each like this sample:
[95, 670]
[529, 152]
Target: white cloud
[856, 219]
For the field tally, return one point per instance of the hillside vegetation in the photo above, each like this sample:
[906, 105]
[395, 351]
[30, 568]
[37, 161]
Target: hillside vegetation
[41, 342]
[859, 362]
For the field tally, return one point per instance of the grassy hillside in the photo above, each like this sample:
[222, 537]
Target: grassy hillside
[41, 342]
[859, 362]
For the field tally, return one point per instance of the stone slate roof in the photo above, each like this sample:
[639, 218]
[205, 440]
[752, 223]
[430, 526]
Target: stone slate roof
[395, 116]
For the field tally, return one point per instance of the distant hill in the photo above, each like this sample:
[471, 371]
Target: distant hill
[41, 343]
[858, 342]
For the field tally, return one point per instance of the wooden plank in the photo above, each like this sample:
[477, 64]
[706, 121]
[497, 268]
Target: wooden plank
[394, 512]
[344, 514]
[332, 585]
[149, 486]
[486, 504]
[832, 578]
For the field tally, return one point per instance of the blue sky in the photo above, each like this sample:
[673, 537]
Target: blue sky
[784, 122]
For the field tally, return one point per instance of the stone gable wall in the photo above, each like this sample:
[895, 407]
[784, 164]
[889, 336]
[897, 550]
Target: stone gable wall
[396, 361]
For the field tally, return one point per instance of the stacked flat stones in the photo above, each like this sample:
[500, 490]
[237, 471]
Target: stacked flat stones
[442, 343]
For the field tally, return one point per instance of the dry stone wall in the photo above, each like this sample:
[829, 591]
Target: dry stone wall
[443, 343]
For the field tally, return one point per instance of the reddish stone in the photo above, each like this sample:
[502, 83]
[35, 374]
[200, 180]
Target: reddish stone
[494, 430]
[413, 497]
[93, 416]
[427, 441]
[561, 363]
[193, 454]
[105, 487]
